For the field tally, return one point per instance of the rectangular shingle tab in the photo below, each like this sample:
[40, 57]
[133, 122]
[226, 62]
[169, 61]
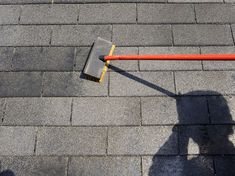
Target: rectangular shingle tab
[132, 35]
[166, 13]
[215, 13]
[142, 140]
[71, 141]
[205, 83]
[177, 165]
[6, 55]
[38, 111]
[156, 109]
[182, 110]
[9, 14]
[43, 58]
[218, 65]
[131, 65]
[33, 165]
[233, 32]
[202, 35]
[107, 13]
[141, 84]
[24, 35]
[24, 1]
[194, 1]
[121, 166]
[108, 111]
[79, 35]
[17, 140]
[2, 108]
[69, 1]
[137, 0]
[20, 84]
[49, 14]
[169, 65]
[81, 57]
[71, 84]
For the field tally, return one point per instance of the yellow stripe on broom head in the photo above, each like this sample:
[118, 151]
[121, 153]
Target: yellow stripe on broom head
[105, 69]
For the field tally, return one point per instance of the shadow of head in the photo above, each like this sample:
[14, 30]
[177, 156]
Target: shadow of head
[7, 173]
[208, 114]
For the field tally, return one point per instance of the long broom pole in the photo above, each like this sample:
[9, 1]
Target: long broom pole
[221, 57]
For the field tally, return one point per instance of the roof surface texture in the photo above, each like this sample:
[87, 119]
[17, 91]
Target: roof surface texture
[148, 118]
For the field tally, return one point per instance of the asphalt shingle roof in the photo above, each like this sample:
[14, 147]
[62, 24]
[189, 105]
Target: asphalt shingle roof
[148, 118]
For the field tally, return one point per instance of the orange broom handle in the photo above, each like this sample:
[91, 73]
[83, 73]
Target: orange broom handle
[173, 57]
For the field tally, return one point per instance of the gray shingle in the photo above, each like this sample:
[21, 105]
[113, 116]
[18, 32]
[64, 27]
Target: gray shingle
[71, 141]
[79, 35]
[17, 140]
[218, 65]
[24, 35]
[24, 1]
[25, 165]
[170, 65]
[202, 35]
[43, 58]
[233, 30]
[2, 108]
[142, 140]
[125, 65]
[94, 166]
[71, 84]
[138, 1]
[69, 1]
[38, 111]
[108, 111]
[194, 1]
[215, 13]
[6, 55]
[141, 84]
[159, 110]
[166, 13]
[164, 110]
[9, 14]
[207, 139]
[81, 57]
[107, 13]
[222, 109]
[49, 14]
[20, 84]
[177, 165]
[130, 35]
[220, 82]
[95, 1]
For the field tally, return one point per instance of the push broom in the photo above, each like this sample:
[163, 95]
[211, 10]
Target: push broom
[102, 53]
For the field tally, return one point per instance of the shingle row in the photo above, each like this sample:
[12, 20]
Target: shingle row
[117, 13]
[57, 166]
[99, 141]
[121, 83]
[122, 35]
[74, 59]
[114, 111]
[107, 1]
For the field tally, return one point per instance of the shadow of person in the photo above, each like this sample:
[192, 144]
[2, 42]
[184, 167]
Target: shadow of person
[204, 130]
[7, 173]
